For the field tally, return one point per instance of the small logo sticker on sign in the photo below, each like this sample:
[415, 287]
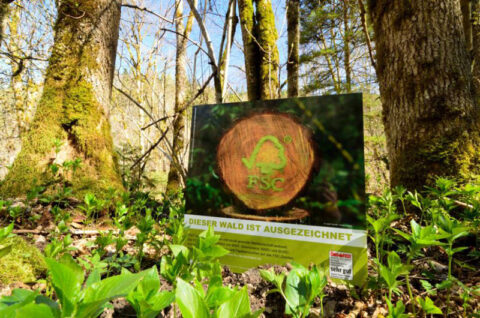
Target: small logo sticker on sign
[341, 265]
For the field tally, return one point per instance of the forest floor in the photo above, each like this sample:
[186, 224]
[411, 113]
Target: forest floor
[341, 301]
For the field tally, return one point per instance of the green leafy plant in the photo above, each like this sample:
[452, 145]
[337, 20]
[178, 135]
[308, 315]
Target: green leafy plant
[147, 235]
[147, 299]
[92, 206]
[198, 262]
[27, 303]
[397, 311]
[392, 272]
[299, 288]
[428, 306]
[451, 231]
[86, 298]
[5, 233]
[420, 237]
[219, 302]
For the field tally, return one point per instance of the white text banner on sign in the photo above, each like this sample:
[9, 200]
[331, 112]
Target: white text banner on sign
[297, 232]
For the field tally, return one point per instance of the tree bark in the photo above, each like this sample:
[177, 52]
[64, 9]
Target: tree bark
[293, 27]
[346, 46]
[431, 118]
[259, 36]
[4, 10]
[267, 40]
[229, 35]
[175, 176]
[251, 50]
[71, 120]
[475, 11]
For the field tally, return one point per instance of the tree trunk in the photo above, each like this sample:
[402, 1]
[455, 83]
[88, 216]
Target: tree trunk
[431, 118]
[251, 51]
[4, 9]
[71, 120]
[16, 80]
[259, 36]
[229, 35]
[293, 26]
[346, 46]
[475, 11]
[267, 39]
[175, 176]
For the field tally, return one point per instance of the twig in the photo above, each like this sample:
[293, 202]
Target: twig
[463, 205]
[187, 38]
[130, 98]
[156, 122]
[211, 53]
[132, 6]
[151, 148]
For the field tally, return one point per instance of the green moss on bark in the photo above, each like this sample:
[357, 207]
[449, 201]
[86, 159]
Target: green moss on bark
[267, 38]
[452, 156]
[24, 264]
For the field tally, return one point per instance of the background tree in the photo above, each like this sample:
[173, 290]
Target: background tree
[139, 99]
[293, 64]
[335, 51]
[176, 173]
[71, 120]
[4, 10]
[259, 36]
[430, 114]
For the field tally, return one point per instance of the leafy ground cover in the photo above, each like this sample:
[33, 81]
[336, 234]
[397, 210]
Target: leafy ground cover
[125, 255]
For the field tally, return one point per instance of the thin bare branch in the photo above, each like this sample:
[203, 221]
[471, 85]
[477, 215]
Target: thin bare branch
[132, 6]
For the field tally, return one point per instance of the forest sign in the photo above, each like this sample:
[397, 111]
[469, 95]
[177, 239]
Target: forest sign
[265, 160]
[281, 181]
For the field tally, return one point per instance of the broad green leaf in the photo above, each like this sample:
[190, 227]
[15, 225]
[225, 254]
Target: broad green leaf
[295, 291]
[428, 306]
[406, 236]
[177, 249]
[236, 307]
[99, 294]
[5, 232]
[428, 287]
[416, 228]
[218, 295]
[112, 287]
[67, 278]
[268, 275]
[94, 277]
[25, 303]
[5, 250]
[161, 300]
[444, 284]
[189, 301]
[35, 310]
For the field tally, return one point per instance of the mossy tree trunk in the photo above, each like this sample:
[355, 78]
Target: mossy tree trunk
[259, 36]
[71, 120]
[293, 26]
[175, 175]
[423, 67]
[4, 10]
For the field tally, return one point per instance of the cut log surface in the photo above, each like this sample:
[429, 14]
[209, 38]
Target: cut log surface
[266, 160]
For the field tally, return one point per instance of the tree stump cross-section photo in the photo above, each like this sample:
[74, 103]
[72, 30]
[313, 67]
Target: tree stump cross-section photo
[266, 160]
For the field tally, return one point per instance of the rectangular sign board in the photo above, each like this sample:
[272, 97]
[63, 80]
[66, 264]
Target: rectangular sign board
[281, 181]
